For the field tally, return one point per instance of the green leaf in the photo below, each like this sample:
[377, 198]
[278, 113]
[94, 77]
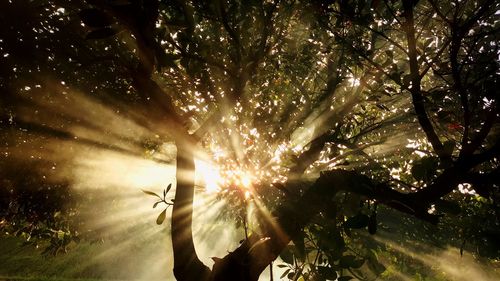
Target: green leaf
[169, 187]
[373, 254]
[161, 217]
[102, 33]
[358, 221]
[285, 273]
[156, 204]
[151, 193]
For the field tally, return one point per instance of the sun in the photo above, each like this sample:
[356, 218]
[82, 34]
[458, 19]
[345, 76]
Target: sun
[216, 179]
[209, 176]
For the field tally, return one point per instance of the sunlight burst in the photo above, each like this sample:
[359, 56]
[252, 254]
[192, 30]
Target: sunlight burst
[215, 178]
[209, 175]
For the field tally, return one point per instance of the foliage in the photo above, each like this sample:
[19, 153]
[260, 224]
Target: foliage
[399, 96]
[162, 215]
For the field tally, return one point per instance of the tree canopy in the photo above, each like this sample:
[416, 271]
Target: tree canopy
[318, 113]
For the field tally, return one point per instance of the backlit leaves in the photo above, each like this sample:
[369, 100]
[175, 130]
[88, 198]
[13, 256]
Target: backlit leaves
[151, 193]
[162, 215]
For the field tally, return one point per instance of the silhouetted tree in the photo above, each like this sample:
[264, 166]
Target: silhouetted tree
[336, 106]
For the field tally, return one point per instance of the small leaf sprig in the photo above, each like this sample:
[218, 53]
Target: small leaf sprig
[163, 214]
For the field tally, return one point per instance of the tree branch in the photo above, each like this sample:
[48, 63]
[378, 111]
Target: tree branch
[255, 253]
[479, 138]
[417, 98]
[438, 11]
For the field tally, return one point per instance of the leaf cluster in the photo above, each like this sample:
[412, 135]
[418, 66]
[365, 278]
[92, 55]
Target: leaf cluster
[162, 200]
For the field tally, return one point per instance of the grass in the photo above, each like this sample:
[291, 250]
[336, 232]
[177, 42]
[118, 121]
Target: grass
[139, 250]
[130, 258]
[25, 262]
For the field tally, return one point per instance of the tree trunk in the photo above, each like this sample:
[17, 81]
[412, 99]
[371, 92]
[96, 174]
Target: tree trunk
[252, 257]
[187, 266]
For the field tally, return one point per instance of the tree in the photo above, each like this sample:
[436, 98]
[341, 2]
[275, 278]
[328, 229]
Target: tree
[323, 110]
